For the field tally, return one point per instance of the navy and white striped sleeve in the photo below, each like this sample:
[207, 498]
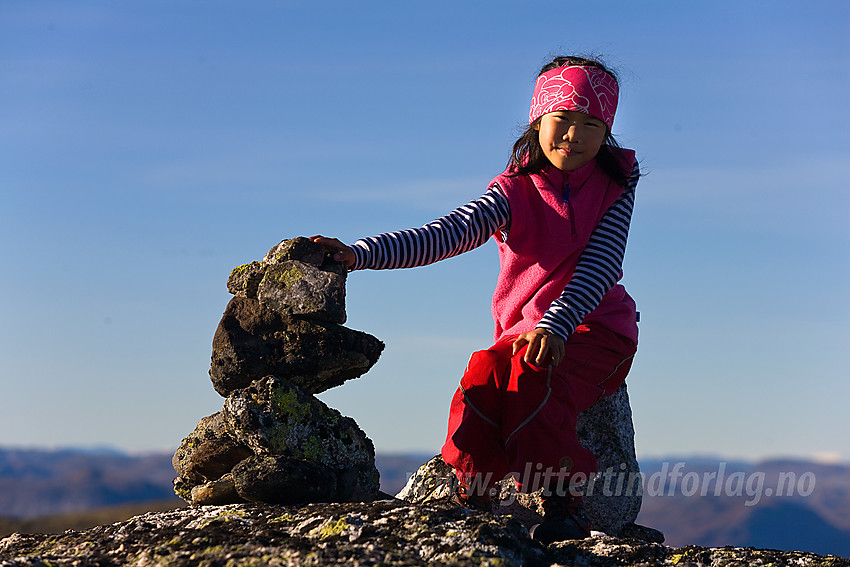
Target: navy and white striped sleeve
[463, 229]
[598, 268]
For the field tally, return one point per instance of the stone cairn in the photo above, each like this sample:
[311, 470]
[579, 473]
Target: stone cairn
[279, 342]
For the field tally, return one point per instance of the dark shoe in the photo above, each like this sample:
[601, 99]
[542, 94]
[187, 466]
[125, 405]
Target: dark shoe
[563, 519]
[563, 530]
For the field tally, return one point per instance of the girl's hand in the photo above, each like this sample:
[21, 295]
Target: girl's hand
[342, 253]
[541, 344]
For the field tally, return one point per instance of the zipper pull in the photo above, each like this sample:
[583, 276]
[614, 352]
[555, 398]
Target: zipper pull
[570, 211]
[572, 214]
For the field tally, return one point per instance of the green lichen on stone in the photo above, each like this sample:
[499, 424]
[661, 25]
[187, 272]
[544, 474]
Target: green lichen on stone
[184, 491]
[313, 449]
[223, 516]
[278, 436]
[245, 279]
[331, 416]
[239, 270]
[330, 529]
[228, 515]
[297, 424]
[286, 277]
[285, 402]
[283, 519]
[283, 251]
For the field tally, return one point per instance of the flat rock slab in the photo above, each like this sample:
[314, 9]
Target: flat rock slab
[386, 532]
[253, 341]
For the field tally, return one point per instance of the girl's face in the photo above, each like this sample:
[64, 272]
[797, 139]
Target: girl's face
[570, 138]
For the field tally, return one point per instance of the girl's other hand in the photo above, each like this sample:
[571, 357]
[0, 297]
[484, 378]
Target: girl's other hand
[541, 345]
[342, 253]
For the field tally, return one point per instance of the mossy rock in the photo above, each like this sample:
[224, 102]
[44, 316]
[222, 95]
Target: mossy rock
[294, 288]
[279, 420]
[244, 280]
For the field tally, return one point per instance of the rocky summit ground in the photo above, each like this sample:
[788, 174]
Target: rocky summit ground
[386, 532]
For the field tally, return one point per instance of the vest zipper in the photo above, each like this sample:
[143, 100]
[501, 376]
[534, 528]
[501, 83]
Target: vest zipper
[570, 210]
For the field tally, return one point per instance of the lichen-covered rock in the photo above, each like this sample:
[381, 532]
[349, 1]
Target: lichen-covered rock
[432, 482]
[273, 442]
[295, 278]
[215, 492]
[253, 341]
[613, 500]
[435, 481]
[299, 248]
[293, 288]
[206, 454]
[612, 506]
[386, 532]
[275, 417]
[244, 280]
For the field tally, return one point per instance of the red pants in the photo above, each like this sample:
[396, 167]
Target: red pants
[512, 418]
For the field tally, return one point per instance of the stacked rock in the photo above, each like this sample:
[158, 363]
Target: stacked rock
[279, 342]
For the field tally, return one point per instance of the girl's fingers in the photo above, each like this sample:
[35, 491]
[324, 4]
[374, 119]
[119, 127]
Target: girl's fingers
[331, 243]
[535, 352]
[557, 356]
[555, 347]
[346, 255]
[543, 347]
[342, 252]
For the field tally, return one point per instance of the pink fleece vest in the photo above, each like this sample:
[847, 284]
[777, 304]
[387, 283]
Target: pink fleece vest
[547, 235]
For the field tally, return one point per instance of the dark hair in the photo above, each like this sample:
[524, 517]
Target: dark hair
[527, 156]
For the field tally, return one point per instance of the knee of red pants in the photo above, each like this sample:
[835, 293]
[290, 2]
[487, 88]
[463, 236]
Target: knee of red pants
[498, 396]
[479, 389]
[474, 441]
[487, 367]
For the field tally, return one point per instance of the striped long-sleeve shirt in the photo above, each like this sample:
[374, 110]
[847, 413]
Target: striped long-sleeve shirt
[471, 225]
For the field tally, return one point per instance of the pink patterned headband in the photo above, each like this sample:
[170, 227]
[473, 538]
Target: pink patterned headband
[585, 89]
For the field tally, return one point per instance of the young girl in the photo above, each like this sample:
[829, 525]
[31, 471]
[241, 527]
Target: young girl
[565, 330]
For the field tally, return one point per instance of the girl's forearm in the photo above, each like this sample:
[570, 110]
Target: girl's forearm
[463, 229]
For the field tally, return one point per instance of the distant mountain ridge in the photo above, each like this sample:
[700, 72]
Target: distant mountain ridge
[779, 503]
[46, 482]
[40, 482]
[682, 496]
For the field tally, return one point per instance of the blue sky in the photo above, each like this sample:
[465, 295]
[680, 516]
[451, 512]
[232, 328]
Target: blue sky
[146, 148]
